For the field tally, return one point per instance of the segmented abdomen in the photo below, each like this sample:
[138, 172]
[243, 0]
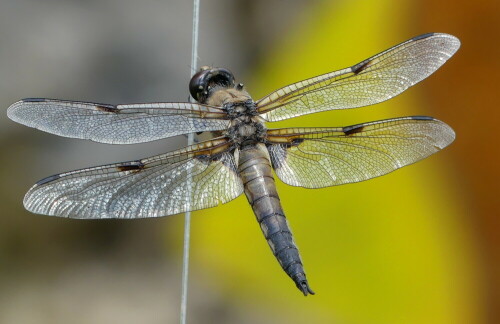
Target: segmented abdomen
[255, 170]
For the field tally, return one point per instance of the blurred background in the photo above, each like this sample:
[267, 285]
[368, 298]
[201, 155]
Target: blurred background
[419, 245]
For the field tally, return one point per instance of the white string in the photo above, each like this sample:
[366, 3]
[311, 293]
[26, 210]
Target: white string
[187, 219]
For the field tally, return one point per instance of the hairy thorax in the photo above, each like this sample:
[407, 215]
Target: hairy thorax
[247, 127]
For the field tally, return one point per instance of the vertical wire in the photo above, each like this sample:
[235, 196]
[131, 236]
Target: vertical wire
[187, 219]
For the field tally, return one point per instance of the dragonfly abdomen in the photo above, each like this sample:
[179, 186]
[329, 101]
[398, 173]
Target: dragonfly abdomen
[255, 171]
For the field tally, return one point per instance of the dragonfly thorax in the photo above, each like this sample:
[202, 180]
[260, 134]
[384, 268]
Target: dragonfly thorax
[246, 130]
[246, 126]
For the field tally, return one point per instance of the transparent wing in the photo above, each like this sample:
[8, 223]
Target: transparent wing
[322, 157]
[374, 80]
[120, 124]
[199, 176]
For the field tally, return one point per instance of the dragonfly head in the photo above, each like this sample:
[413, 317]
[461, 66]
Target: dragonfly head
[208, 78]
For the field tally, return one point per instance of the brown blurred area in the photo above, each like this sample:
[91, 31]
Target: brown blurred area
[57, 270]
[467, 94]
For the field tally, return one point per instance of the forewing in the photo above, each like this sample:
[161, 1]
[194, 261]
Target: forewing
[322, 157]
[120, 124]
[199, 176]
[374, 80]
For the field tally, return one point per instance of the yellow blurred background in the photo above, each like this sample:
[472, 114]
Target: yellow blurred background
[419, 245]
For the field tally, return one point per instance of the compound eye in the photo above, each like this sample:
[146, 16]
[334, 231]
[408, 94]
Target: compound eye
[198, 86]
[205, 80]
[222, 77]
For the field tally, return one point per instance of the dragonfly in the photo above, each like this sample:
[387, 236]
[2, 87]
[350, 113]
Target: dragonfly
[242, 153]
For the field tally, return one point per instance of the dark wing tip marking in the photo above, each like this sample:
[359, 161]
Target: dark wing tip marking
[107, 108]
[423, 36]
[351, 130]
[48, 179]
[33, 99]
[356, 69]
[422, 118]
[132, 166]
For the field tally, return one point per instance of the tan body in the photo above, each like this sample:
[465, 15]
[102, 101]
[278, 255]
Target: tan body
[255, 171]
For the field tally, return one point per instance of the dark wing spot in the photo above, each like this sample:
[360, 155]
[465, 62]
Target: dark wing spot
[204, 158]
[132, 166]
[33, 99]
[48, 179]
[107, 108]
[422, 118]
[296, 141]
[356, 69]
[422, 36]
[351, 130]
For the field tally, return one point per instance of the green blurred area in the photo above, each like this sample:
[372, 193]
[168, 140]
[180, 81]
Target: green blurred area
[390, 250]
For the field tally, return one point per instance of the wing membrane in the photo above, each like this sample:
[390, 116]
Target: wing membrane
[120, 124]
[374, 80]
[199, 176]
[322, 157]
